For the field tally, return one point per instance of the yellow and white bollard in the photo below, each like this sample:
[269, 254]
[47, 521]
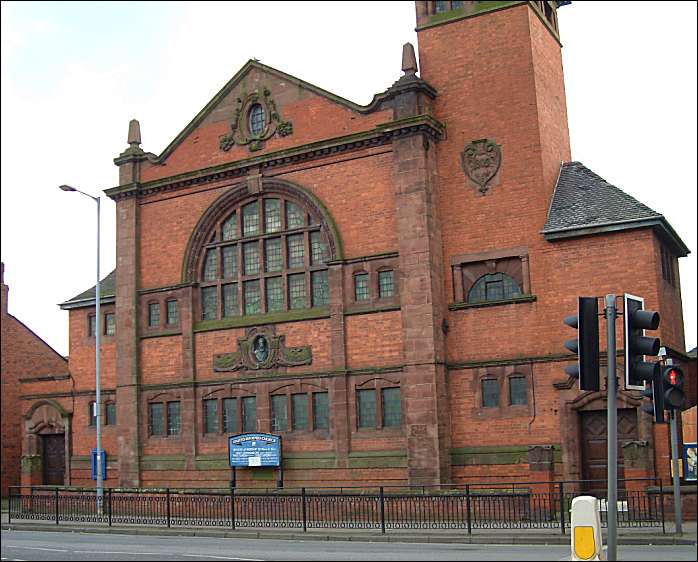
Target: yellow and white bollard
[586, 529]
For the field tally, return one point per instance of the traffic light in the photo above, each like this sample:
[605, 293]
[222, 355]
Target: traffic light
[655, 393]
[674, 395]
[587, 344]
[637, 345]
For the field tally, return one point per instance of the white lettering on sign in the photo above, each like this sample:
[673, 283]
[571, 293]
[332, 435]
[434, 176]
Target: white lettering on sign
[254, 461]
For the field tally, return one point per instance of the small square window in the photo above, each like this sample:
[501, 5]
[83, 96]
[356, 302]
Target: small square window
[361, 288]
[366, 408]
[490, 393]
[518, 391]
[386, 284]
[156, 419]
[111, 414]
[109, 324]
[172, 313]
[392, 407]
[154, 315]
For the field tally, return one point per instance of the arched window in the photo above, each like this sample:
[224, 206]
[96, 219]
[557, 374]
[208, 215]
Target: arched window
[494, 287]
[265, 255]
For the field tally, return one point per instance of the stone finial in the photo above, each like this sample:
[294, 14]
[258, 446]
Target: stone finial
[409, 60]
[134, 133]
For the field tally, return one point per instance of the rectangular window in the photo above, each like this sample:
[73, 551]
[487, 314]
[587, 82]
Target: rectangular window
[231, 306]
[109, 324]
[230, 228]
[230, 262]
[296, 291]
[92, 325]
[250, 219]
[249, 414]
[253, 304]
[279, 413]
[321, 291]
[490, 393]
[209, 303]
[91, 418]
[230, 415]
[321, 410]
[251, 256]
[275, 294]
[392, 408]
[272, 215]
[318, 254]
[172, 313]
[154, 314]
[110, 413]
[366, 408]
[295, 217]
[273, 260]
[156, 419]
[295, 251]
[211, 416]
[300, 412]
[518, 391]
[386, 284]
[361, 288]
[174, 418]
[211, 265]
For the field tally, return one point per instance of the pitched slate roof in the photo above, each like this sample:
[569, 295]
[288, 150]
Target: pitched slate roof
[107, 289]
[585, 203]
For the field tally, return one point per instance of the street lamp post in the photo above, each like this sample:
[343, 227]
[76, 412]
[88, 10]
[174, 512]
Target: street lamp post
[98, 401]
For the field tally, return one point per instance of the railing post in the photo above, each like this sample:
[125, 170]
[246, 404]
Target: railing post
[57, 513]
[562, 508]
[168, 507]
[232, 506]
[9, 505]
[305, 514]
[110, 507]
[382, 500]
[661, 500]
[468, 509]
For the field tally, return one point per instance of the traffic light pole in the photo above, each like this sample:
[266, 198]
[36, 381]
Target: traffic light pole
[678, 518]
[611, 390]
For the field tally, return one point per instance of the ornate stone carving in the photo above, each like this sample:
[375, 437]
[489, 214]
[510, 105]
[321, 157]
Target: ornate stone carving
[242, 135]
[261, 349]
[481, 160]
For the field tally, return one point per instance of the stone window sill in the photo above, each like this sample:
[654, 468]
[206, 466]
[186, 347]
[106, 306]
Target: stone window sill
[467, 305]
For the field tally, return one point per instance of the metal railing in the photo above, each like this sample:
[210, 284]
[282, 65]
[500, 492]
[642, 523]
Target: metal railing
[467, 507]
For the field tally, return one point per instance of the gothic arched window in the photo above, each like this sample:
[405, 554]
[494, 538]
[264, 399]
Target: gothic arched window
[494, 287]
[267, 254]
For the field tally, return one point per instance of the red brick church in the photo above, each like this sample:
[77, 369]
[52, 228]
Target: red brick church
[384, 286]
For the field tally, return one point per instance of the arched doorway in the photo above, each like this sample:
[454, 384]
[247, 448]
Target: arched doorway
[47, 444]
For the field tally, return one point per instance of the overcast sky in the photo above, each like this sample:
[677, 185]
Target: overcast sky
[75, 73]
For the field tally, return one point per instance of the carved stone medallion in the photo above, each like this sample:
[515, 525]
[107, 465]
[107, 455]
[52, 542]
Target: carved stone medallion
[261, 349]
[256, 120]
[481, 160]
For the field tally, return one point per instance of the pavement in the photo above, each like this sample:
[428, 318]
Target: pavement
[626, 536]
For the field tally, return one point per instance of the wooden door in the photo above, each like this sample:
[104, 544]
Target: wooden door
[53, 453]
[595, 445]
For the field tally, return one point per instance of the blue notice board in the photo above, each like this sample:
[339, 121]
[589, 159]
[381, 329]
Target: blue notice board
[254, 449]
[94, 464]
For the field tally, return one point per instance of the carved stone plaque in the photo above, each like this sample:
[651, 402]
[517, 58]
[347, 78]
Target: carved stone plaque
[481, 160]
[261, 349]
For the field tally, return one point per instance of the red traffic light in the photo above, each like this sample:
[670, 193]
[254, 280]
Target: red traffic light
[672, 376]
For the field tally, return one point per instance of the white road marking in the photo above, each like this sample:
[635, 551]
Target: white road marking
[118, 552]
[35, 548]
[221, 557]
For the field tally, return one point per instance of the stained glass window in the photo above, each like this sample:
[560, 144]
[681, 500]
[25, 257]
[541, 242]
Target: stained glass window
[300, 412]
[231, 306]
[279, 413]
[392, 408]
[494, 287]
[257, 119]
[295, 217]
[253, 304]
[321, 410]
[230, 262]
[172, 312]
[275, 294]
[230, 227]
[518, 391]
[211, 416]
[321, 290]
[249, 414]
[273, 260]
[154, 314]
[296, 291]
[156, 418]
[366, 402]
[272, 215]
[209, 305]
[490, 393]
[211, 265]
[295, 251]
[230, 415]
[386, 284]
[361, 288]
[318, 247]
[251, 256]
[174, 418]
[250, 219]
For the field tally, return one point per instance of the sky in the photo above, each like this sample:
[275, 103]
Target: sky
[74, 73]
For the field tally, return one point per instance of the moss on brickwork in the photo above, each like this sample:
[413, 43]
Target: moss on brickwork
[378, 459]
[31, 464]
[460, 13]
[468, 456]
[175, 462]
